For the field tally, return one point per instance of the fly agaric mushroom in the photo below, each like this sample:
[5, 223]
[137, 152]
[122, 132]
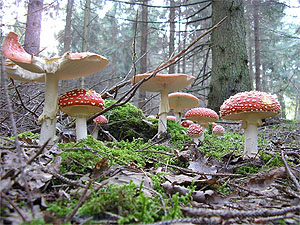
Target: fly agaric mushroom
[164, 84]
[218, 130]
[186, 123]
[250, 107]
[98, 121]
[28, 68]
[195, 131]
[81, 104]
[179, 101]
[202, 116]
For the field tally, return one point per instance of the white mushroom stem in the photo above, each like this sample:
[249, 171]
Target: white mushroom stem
[250, 149]
[48, 117]
[204, 125]
[95, 132]
[164, 108]
[196, 140]
[81, 128]
[178, 116]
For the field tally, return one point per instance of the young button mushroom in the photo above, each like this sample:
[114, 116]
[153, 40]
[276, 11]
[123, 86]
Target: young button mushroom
[218, 130]
[172, 118]
[164, 84]
[81, 104]
[250, 107]
[98, 121]
[28, 68]
[195, 131]
[179, 101]
[202, 116]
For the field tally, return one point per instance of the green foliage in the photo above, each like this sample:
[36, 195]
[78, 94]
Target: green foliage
[218, 146]
[224, 189]
[36, 221]
[29, 134]
[246, 170]
[77, 159]
[62, 207]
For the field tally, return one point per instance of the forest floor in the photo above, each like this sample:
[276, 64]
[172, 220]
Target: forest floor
[153, 182]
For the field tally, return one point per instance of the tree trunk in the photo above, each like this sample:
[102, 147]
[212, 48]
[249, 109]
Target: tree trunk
[144, 40]
[84, 47]
[249, 32]
[67, 39]
[256, 45]
[297, 108]
[33, 26]
[172, 34]
[230, 73]
[67, 36]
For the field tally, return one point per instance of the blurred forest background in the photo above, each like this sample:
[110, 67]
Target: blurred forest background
[256, 48]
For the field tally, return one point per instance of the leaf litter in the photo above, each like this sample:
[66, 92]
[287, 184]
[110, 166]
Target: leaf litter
[222, 191]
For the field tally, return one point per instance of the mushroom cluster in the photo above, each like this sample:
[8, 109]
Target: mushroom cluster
[81, 103]
[29, 68]
[250, 108]
[202, 116]
[164, 84]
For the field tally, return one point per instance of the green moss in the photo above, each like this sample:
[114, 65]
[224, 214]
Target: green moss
[127, 122]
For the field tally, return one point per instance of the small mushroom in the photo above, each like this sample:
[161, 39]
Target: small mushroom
[81, 104]
[179, 101]
[164, 84]
[195, 131]
[202, 116]
[218, 130]
[172, 118]
[98, 121]
[250, 107]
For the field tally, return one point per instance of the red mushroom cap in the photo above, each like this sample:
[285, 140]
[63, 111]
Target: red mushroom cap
[202, 115]
[100, 120]
[218, 130]
[255, 102]
[186, 123]
[81, 103]
[171, 118]
[195, 130]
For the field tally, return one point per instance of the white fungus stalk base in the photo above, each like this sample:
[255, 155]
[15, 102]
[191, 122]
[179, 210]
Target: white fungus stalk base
[164, 108]
[48, 117]
[178, 117]
[81, 128]
[95, 132]
[251, 132]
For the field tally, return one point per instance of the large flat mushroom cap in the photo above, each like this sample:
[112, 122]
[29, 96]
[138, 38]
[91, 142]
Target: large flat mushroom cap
[75, 65]
[170, 82]
[181, 100]
[66, 67]
[248, 104]
[81, 103]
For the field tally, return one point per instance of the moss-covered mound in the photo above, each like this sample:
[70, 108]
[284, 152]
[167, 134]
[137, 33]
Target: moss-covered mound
[127, 122]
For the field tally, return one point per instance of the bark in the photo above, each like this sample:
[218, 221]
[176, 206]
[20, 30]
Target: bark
[144, 40]
[172, 34]
[250, 46]
[230, 73]
[256, 45]
[86, 22]
[297, 108]
[33, 26]
[282, 104]
[67, 38]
